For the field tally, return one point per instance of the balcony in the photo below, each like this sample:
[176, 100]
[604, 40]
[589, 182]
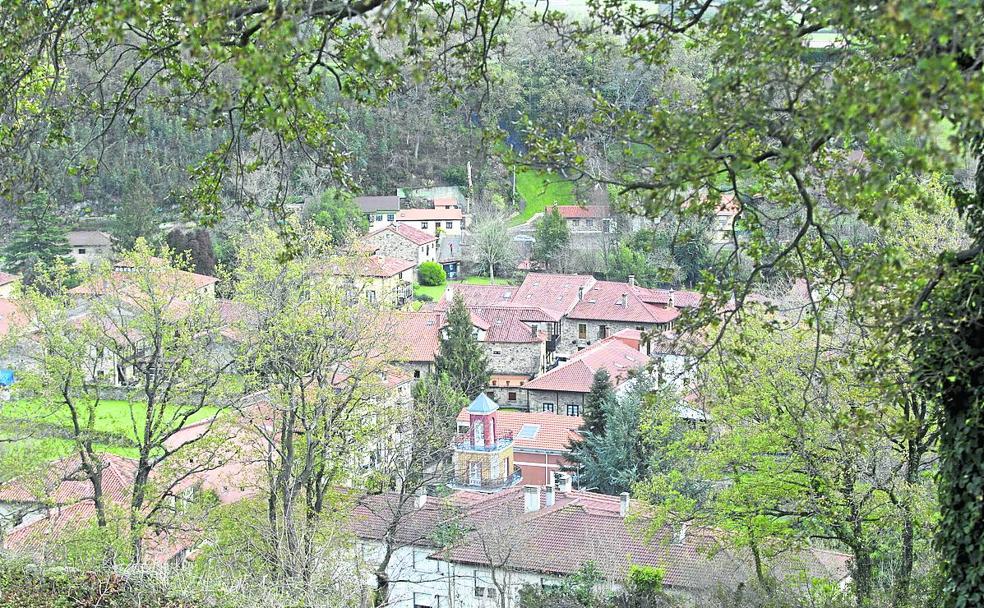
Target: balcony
[484, 484]
[463, 442]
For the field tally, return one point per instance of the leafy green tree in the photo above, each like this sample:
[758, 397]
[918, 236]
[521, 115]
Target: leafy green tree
[838, 109]
[431, 274]
[785, 463]
[39, 237]
[138, 217]
[551, 237]
[336, 212]
[460, 357]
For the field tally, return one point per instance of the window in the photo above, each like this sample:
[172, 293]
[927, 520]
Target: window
[449, 224]
[640, 328]
[590, 223]
[371, 296]
[479, 591]
[423, 225]
[81, 250]
[428, 250]
[496, 351]
[548, 407]
[491, 591]
[379, 217]
[511, 397]
[390, 217]
[495, 383]
[416, 373]
[582, 331]
[576, 222]
[602, 332]
[573, 409]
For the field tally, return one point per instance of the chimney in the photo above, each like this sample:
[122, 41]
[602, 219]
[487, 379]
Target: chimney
[624, 300]
[420, 500]
[531, 499]
[623, 504]
[563, 482]
[551, 497]
[632, 280]
[580, 293]
[672, 299]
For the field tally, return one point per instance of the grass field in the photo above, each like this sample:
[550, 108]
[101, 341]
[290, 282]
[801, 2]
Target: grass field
[540, 189]
[112, 416]
[437, 292]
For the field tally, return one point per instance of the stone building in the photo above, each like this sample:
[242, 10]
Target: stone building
[404, 242]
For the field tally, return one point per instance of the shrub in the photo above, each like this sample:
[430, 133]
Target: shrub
[431, 274]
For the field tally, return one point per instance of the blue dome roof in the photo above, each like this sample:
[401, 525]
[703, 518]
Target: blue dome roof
[482, 405]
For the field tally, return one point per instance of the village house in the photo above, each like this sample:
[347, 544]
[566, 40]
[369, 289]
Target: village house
[588, 219]
[540, 441]
[387, 280]
[404, 242]
[380, 211]
[451, 254]
[537, 536]
[88, 246]
[441, 220]
[415, 339]
[722, 228]
[190, 284]
[563, 389]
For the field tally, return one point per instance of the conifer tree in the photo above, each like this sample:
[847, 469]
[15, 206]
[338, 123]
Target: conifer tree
[602, 392]
[38, 238]
[460, 356]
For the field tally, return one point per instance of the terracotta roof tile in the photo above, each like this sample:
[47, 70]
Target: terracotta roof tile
[576, 375]
[587, 211]
[505, 324]
[556, 293]
[417, 237]
[552, 433]
[6, 278]
[382, 266]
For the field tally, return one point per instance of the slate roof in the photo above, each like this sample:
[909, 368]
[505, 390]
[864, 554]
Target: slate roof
[576, 375]
[370, 204]
[417, 237]
[90, 238]
[482, 405]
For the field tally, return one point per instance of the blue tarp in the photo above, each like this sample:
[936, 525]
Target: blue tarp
[6, 377]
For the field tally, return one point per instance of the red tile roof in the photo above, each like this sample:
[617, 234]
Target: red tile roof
[609, 301]
[6, 278]
[417, 237]
[588, 211]
[555, 293]
[576, 375]
[553, 433]
[416, 336]
[440, 214]
[479, 295]
[382, 266]
[505, 324]
[580, 527]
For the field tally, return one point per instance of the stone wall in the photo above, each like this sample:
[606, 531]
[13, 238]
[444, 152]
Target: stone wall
[538, 401]
[570, 342]
[521, 359]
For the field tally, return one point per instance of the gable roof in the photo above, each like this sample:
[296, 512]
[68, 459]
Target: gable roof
[577, 374]
[570, 212]
[580, 527]
[555, 293]
[505, 324]
[610, 301]
[419, 333]
[417, 237]
[378, 203]
[91, 238]
[381, 266]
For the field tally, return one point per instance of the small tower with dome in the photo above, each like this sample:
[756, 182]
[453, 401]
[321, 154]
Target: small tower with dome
[483, 455]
